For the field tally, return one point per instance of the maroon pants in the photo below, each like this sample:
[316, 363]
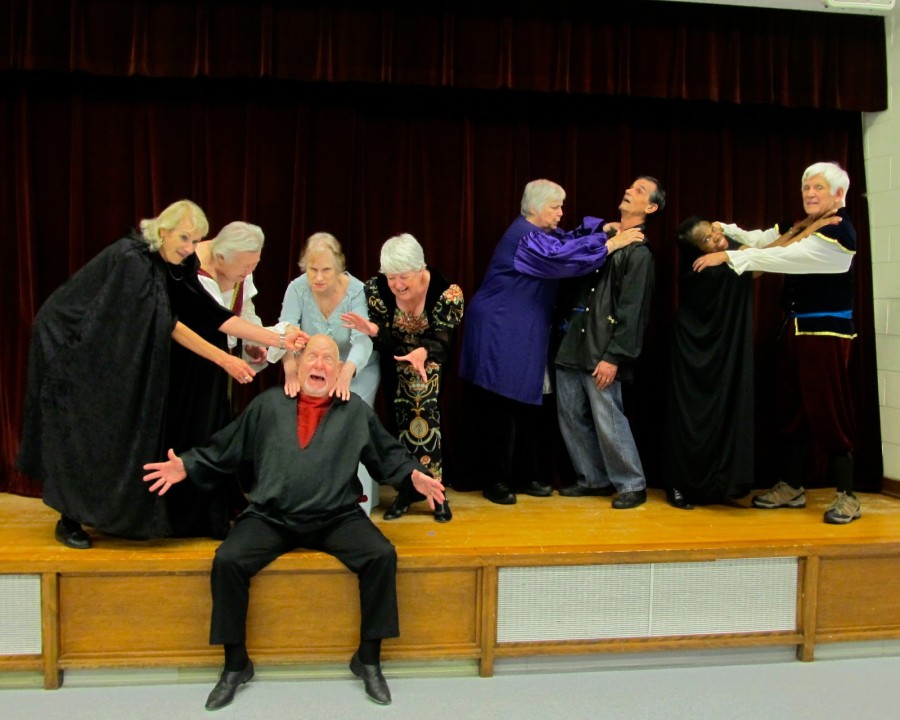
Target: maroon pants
[814, 402]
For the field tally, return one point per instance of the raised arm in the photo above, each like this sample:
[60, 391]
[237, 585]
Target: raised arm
[234, 366]
[293, 339]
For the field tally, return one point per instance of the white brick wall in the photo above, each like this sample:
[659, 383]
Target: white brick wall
[882, 150]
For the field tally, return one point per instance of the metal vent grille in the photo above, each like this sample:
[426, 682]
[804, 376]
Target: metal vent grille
[20, 614]
[596, 602]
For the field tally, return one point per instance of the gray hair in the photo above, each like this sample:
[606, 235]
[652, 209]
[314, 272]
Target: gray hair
[538, 194]
[323, 241]
[836, 177]
[400, 254]
[151, 228]
[237, 237]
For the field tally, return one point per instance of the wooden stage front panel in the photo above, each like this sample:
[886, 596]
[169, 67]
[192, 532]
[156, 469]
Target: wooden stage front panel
[137, 604]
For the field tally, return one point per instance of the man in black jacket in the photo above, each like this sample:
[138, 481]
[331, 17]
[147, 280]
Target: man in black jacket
[305, 452]
[604, 331]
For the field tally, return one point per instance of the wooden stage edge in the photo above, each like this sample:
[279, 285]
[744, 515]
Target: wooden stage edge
[544, 577]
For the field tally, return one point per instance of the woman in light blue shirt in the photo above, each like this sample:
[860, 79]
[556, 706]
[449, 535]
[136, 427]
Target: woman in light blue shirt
[315, 302]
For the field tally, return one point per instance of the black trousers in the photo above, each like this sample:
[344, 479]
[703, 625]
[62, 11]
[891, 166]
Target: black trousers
[255, 542]
[504, 437]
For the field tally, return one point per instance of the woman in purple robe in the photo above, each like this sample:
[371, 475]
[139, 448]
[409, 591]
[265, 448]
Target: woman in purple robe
[507, 333]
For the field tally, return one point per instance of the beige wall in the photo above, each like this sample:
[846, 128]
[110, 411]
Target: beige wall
[882, 152]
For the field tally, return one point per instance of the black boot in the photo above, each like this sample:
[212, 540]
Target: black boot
[70, 533]
[442, 512]
[499, 493]
[399, 507]
[406, 496]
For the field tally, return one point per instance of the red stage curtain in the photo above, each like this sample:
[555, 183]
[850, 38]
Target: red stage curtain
[89, 147]
[642, 49]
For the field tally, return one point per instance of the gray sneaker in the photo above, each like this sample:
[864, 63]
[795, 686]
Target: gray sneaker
[844, 509]
[781, 496]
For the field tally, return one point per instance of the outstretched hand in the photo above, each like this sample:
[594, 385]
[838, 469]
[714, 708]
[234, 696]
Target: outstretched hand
[417, 358]
[431, 488]
[165, 474]
[357, 322]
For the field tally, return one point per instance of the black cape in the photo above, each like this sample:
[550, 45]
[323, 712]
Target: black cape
[98, 377]
[198, 407]
[708, 440]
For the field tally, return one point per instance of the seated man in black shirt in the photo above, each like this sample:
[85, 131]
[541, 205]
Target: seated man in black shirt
[305, 452]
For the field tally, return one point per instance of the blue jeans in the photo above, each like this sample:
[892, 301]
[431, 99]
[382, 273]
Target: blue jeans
[597, 433]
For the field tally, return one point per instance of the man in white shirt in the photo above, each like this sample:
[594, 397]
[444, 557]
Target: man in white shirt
[815, 410]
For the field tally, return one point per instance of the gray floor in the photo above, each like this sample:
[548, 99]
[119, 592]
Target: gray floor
[770, 690]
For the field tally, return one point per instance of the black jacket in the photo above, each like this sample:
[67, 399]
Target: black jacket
[606, 312]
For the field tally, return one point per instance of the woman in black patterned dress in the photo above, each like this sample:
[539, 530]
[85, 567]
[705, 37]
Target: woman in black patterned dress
[413, 311]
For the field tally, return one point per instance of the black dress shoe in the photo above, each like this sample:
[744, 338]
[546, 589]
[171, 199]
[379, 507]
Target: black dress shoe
[583, 491]
[230, 680]
[630, 499]
[398, 508]
[442, 512]
[500, 494]
[677, 500]
[70, 534]
[376, 685]
[536, 489]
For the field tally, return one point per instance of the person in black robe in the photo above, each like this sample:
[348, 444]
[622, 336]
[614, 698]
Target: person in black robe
[98, 375]
[708, 418]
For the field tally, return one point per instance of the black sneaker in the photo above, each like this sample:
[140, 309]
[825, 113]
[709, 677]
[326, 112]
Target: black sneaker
[584, 491]
[536, 489]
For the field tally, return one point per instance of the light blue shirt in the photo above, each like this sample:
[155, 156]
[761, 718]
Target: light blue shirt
[299, 307]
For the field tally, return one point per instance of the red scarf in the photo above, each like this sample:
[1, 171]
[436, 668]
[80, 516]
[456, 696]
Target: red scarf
[310, 411]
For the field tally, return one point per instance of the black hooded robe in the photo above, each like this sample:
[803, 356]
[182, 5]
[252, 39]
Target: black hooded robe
[98, 377]
[708, 425]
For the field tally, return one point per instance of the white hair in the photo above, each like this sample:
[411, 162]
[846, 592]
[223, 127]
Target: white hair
[836, 177]
[237, 237]
[538, 194]
[400, 254]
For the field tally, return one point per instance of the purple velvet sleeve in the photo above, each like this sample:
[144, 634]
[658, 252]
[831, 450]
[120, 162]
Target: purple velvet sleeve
[561, 255]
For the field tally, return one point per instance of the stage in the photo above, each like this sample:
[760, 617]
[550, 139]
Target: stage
[547, 576]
